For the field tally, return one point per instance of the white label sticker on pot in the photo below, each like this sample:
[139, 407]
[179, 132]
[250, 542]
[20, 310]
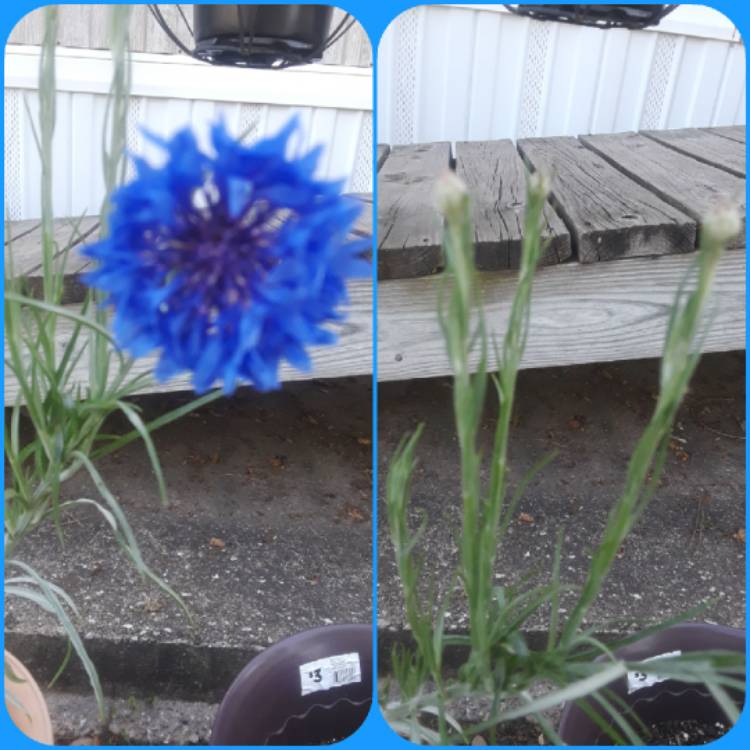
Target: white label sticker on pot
[331, 672]
[640, 680]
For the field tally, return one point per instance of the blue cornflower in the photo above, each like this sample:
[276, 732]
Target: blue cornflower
[228, 262]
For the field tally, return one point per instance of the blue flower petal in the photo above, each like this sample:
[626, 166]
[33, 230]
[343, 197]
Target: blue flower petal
[228, 263]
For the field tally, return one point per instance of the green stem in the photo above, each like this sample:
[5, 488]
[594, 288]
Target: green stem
[680, 357]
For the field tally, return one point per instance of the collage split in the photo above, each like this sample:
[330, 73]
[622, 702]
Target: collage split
[374, 375]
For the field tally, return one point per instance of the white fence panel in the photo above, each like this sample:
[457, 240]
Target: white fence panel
[470, 73]
[333, 103]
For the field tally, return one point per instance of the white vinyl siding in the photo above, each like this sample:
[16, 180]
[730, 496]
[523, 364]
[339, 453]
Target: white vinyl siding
[169, 92]
[456, 72]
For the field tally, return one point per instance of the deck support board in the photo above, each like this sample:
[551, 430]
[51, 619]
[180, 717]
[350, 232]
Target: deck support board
[600, 312]
[351, 355]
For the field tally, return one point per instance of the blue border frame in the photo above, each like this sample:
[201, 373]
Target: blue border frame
[375, 17]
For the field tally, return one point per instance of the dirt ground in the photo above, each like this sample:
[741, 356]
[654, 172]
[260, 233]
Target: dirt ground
[689, 545]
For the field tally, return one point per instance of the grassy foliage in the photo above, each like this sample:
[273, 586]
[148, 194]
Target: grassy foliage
[499, 664]
[55, 428]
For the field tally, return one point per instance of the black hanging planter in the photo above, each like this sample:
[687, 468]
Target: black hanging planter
[313, 688]
[601, 16]
[663, 701]
[261, 35]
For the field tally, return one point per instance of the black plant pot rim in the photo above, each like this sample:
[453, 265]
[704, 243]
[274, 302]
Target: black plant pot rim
[270, 702]
[665, 700]
[343, 704]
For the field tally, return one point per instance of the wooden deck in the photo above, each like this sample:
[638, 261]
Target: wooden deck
[351, 356]
[621, 226]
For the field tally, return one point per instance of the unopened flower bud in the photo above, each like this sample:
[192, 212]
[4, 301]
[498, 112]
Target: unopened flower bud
[723, 224]
[539, 183]
[450, 192]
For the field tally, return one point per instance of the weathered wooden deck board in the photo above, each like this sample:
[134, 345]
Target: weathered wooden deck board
[352, 355]
[599, 312]
[14, 230]
[68, 235]
[27, 249]
[383, 151]
[734, 132]
[685, 183]
[409, 224]
[26, 245]
[704, 146]
[363, 226]
[496, 179]
[608, 214]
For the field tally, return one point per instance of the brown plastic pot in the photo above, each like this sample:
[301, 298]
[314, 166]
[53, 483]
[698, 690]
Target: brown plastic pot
[25, 702]
[313, 688]
[669, 700]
